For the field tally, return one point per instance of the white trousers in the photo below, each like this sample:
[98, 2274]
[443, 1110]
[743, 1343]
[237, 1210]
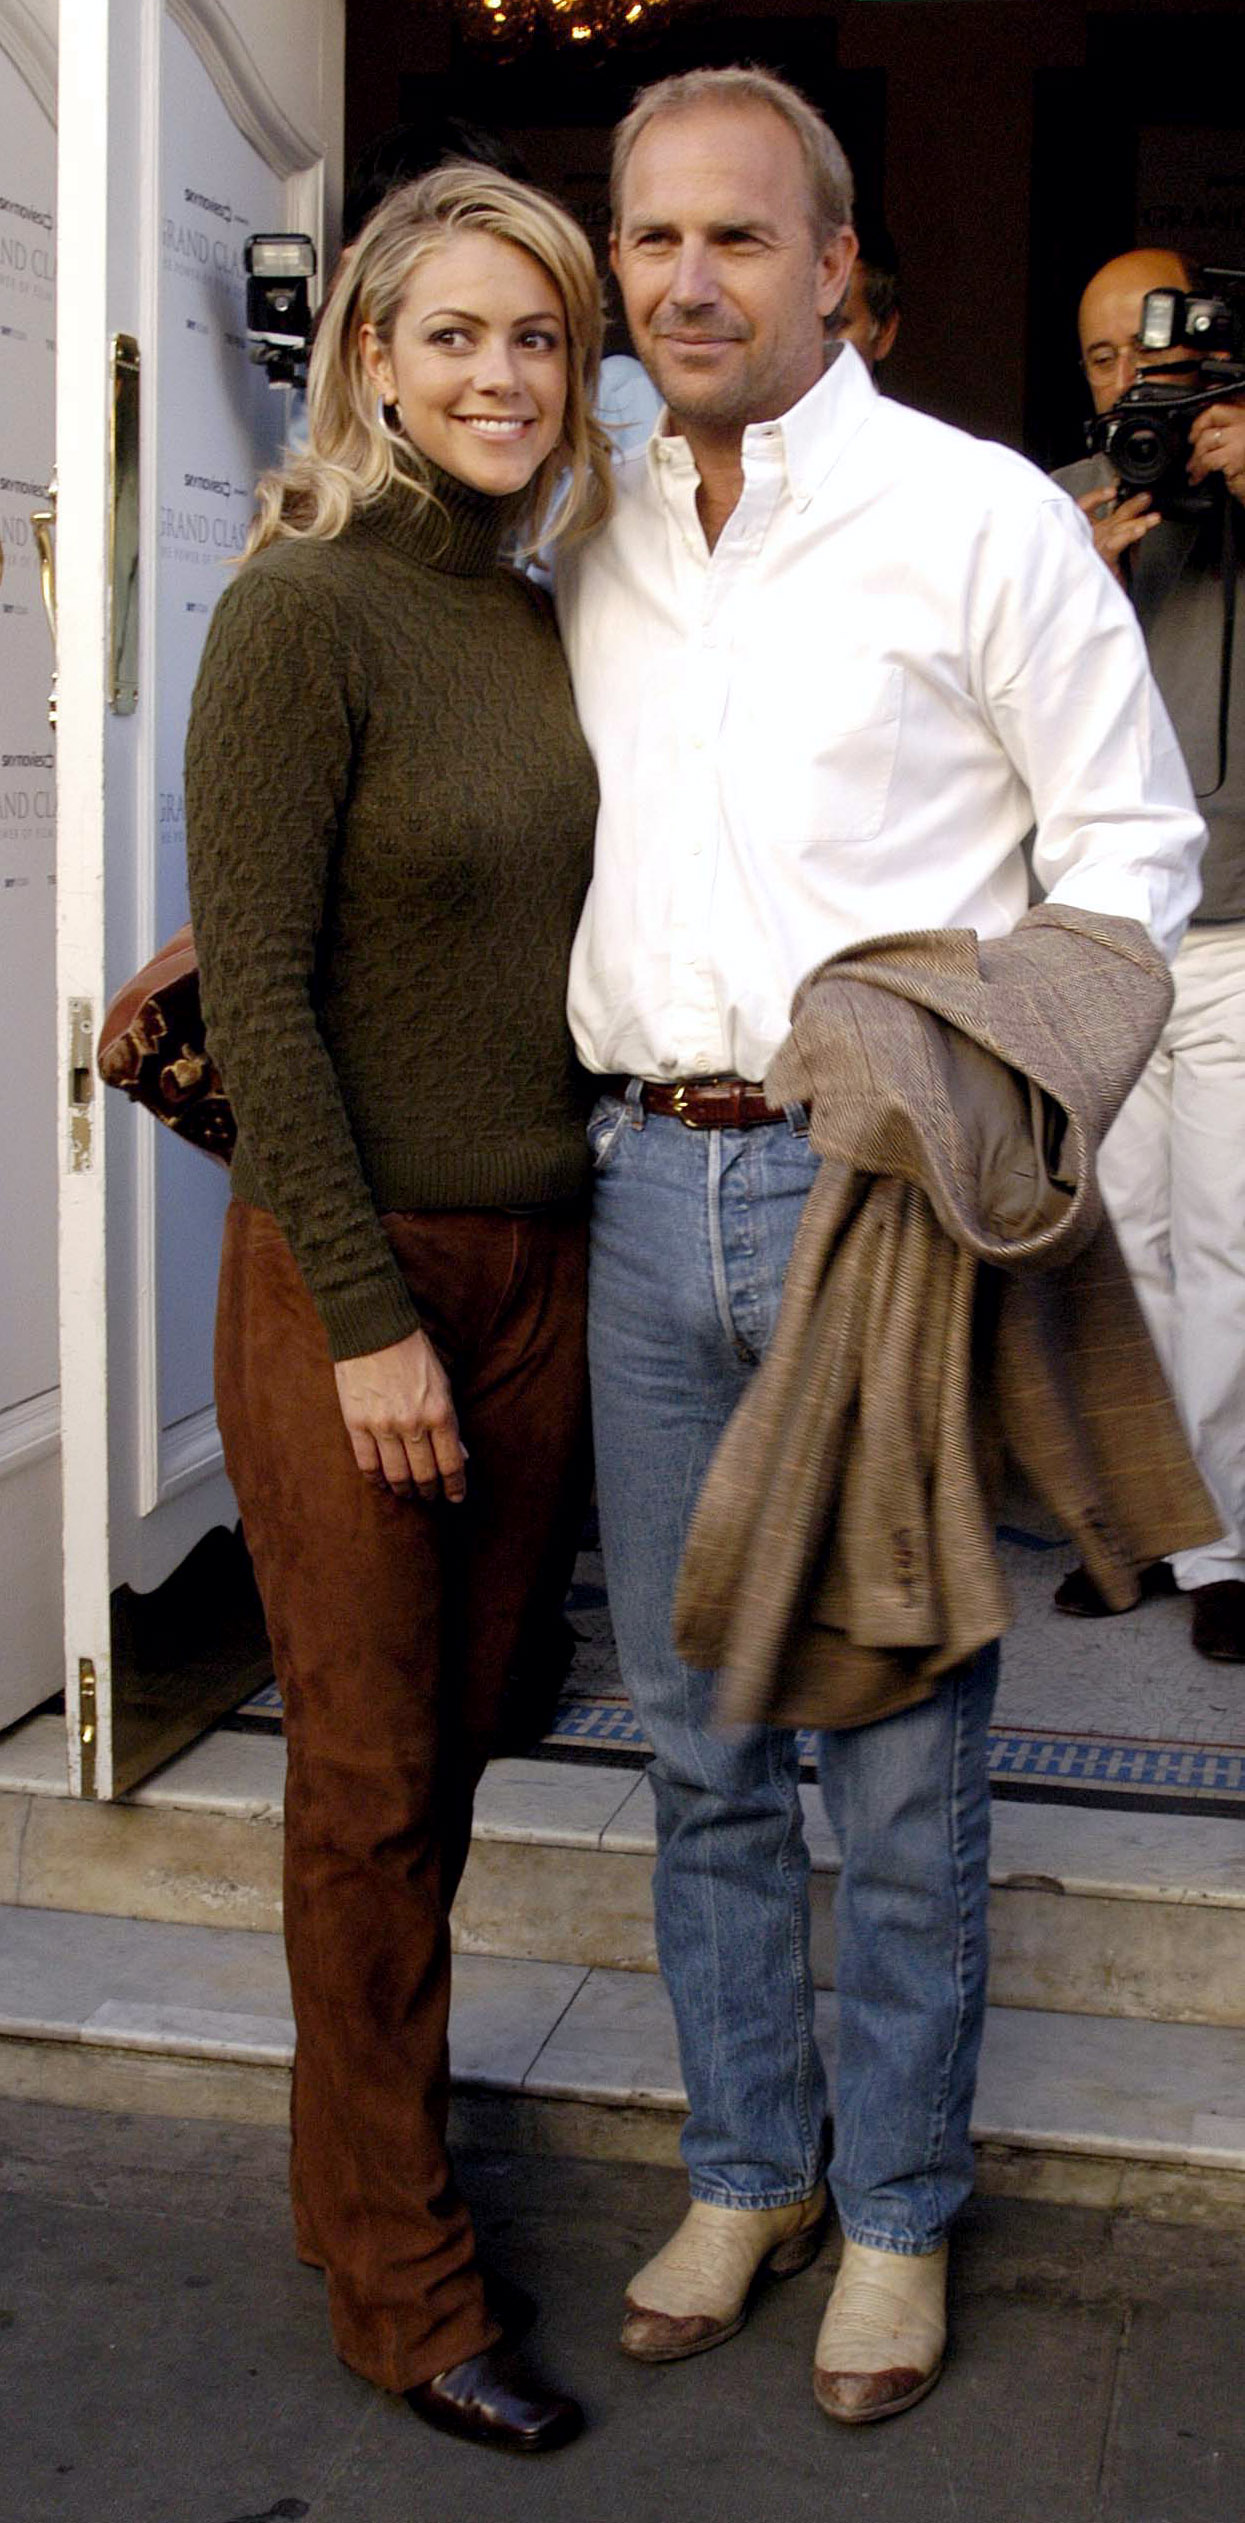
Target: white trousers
[1173, 1176]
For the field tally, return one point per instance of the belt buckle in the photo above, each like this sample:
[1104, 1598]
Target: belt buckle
[679, 1102]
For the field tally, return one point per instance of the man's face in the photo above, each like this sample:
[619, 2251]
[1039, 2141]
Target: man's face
[1110, 323]
[725, 286]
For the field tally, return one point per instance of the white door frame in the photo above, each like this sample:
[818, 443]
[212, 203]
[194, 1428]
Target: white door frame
[286, 97]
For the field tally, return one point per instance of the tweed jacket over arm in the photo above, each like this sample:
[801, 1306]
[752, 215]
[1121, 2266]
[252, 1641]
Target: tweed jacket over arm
[955, 1294]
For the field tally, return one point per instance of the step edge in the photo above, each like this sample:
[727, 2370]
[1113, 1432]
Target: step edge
[1079, 2145]
[1116, 1889]
[38, 2028]
[612, 1839]
[1153, 2150]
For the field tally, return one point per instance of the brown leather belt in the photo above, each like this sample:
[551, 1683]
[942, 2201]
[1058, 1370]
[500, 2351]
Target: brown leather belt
[710, 1103]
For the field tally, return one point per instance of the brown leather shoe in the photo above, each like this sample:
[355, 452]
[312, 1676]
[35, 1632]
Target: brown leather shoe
[490, 2400]
[1219, 1620]
[1077, 1592]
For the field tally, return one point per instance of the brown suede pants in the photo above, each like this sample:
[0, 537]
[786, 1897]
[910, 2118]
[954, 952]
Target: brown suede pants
[394, 1626]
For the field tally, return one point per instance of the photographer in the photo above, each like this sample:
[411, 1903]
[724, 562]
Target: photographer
[1173, 1168]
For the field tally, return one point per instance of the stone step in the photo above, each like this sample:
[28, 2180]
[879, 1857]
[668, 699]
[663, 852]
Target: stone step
[195, 2022]
[1093, 1912]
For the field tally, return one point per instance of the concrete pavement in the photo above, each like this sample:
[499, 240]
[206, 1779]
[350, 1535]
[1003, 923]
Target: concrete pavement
[163, 2359]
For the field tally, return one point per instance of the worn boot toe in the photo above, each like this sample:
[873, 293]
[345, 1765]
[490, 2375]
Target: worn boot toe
[880, 2347]
[662, 2338]
[694, 2293]
[855, 2399]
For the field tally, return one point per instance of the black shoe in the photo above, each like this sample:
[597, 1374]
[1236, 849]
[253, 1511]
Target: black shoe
[490, 2400]
[511, 2307]
[1219, 1620]
[1078, 1593]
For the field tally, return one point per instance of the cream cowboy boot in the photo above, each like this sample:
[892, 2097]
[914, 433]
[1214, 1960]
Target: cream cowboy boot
[695, 2292]
[881, 2342]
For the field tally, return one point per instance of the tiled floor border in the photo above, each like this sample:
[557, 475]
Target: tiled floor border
[1023, 1759]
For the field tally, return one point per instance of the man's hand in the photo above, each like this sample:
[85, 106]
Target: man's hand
[1217, 439]
[1116, 526]
[400, 1419]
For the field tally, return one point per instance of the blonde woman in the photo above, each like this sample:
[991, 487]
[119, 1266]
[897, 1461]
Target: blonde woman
[390, 811]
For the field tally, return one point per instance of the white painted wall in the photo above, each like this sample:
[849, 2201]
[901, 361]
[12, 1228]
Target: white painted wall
[30, 1659]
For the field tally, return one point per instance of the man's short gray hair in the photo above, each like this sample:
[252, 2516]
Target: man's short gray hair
[829, 175]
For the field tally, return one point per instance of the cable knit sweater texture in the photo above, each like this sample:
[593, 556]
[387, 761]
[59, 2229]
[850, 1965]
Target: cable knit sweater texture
[390, 812]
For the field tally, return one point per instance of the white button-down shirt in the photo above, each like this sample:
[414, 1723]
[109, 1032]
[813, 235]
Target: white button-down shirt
[901, 654]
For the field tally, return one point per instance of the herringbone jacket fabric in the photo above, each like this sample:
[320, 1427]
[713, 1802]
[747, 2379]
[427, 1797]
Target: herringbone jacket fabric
[955, 1294]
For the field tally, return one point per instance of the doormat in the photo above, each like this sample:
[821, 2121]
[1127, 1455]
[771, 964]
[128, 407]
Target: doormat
[595, 1723]
[1116, 1770]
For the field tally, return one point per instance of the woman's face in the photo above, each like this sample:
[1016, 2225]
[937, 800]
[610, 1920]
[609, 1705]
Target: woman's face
[478, 361]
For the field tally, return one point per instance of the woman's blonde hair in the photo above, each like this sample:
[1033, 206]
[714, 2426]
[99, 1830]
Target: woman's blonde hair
[352, 456]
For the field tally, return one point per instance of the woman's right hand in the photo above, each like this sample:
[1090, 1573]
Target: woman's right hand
[400, 1418]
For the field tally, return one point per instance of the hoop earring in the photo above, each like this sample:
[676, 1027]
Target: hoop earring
[390, 417]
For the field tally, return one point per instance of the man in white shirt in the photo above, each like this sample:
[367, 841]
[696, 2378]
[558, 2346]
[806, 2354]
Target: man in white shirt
[833, 660]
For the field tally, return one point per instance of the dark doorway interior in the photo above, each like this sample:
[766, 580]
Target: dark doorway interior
[1011, 146]
[560, 120]
[1143, 145]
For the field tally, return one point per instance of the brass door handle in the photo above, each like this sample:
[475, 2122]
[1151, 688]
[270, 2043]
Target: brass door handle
[43, 522]
[123, 527]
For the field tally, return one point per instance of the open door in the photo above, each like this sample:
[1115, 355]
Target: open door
[184, 125]
[30, 1559]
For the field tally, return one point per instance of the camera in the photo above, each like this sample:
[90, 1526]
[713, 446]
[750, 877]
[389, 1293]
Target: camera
[1145, 437]
[279, 270]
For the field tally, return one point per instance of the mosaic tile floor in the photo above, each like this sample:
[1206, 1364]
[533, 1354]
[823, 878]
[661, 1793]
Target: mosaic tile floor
[1119, 1713]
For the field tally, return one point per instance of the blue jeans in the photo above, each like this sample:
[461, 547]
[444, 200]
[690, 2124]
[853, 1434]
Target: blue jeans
[692, 1232]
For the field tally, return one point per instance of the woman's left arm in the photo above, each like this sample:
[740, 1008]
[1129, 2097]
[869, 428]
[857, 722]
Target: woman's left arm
[270, 756]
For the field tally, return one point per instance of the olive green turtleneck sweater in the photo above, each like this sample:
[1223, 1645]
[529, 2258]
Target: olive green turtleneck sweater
[389, 811]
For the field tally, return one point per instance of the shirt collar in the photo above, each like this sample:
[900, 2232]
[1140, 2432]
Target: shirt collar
[807, 440]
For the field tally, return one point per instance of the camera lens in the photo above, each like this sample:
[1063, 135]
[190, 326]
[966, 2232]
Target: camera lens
[1141, 453]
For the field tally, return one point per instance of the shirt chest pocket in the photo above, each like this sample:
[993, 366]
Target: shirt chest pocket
[824, 738]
